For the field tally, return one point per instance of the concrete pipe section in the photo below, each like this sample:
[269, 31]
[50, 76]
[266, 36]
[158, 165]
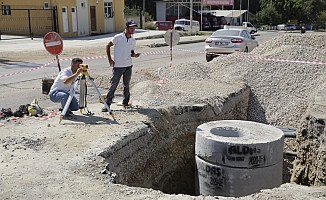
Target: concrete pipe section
[236, 158]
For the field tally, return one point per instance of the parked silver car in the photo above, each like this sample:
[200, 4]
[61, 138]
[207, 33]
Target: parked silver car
[290, 27]
[226, 41]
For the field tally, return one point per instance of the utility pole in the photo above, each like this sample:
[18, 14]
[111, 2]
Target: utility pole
[232, 20]
[248, 12]
[143, 12]
[240, 13]
[191, 16]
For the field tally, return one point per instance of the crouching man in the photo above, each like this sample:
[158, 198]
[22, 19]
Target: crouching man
[64, 84]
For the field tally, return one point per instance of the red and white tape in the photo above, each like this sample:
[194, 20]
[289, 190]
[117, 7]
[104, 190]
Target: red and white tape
[163, 52]
[29, 70]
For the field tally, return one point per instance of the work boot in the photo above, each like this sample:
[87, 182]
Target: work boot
[126, 106]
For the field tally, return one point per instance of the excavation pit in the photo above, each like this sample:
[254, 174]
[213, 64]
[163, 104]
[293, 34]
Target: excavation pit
[162, 161]
[159, 153]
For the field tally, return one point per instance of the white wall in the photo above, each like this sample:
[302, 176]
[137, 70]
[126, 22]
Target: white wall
[160, 11]
[82, 17]
[109, 22]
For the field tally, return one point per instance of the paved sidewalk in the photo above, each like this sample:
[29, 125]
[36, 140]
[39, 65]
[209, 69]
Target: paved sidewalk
[23, 43]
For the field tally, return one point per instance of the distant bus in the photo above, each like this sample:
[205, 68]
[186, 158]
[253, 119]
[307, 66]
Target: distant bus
[163, 25]
[184, 25]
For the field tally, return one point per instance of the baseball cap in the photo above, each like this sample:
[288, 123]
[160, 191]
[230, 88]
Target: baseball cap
[75, 60]
[131, 23]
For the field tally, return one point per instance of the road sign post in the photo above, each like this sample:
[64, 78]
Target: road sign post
[171, 38]
[53, 44]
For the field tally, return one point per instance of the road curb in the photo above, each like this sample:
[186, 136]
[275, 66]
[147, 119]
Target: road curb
[181, 42]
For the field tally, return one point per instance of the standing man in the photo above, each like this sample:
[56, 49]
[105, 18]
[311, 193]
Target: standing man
[64, 83]
[124, 45]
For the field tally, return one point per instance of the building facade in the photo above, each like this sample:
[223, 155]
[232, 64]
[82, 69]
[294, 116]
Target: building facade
[69, 18]
[166, 8]
[176, 9]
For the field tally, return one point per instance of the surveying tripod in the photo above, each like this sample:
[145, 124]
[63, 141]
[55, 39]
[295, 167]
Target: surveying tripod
[82, 96]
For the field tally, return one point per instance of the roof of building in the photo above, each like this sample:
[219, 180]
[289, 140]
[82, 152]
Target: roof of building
[227, 13]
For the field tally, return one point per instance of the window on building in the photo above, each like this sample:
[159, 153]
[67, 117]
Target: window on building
[6, 10]
[181, 8]
[46, 5]
[108, 13]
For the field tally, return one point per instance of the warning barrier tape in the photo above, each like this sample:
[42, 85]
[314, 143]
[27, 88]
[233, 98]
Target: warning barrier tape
[162, 52]
[156, 52]
[101, 57]
[32, 69]
[65, 59]
[162, 80]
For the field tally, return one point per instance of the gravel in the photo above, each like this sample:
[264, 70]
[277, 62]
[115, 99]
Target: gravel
[281, 91]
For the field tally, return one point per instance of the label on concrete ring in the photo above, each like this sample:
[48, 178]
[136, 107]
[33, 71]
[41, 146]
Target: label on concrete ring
[216, 180]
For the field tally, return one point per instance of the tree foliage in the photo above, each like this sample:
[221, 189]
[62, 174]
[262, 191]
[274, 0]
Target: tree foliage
[136, 12]
[268, 15]
[270, 12]
[280, 11]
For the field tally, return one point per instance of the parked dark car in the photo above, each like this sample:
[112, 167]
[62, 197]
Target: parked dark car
[163, 25]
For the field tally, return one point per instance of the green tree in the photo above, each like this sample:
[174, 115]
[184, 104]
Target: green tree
[305, 11]
[321, 19]
[312, 9]
[289, 9]
[269, 15]
[136, 12]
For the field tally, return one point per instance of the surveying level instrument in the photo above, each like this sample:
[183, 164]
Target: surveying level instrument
[83, 92]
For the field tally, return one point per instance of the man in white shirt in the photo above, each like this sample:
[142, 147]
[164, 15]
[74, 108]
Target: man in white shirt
[64, 83]
[124, 46]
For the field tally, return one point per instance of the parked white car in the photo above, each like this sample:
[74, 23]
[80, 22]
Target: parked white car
[250, 28]
[184, 25]
[226, 41]
[281, 27]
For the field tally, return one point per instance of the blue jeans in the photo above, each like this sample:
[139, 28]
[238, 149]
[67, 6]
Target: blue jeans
[117, 72]
[62, 97]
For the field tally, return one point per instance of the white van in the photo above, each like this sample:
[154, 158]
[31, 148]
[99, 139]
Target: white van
[281, 27]
[184, 25]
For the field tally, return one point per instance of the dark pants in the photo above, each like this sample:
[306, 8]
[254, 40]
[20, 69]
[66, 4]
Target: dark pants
[62, 97]
[117, 72]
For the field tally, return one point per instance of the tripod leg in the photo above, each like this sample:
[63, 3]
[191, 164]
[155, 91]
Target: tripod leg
[100, 95]
[82, 94]
[71, 95]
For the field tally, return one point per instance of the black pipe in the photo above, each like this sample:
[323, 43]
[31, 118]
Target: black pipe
[55, 20]
[291, 153]
[288, 132]
[29, 24]
[290, 135]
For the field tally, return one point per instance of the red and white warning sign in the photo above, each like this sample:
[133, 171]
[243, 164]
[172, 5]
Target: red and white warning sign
[53, 43]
